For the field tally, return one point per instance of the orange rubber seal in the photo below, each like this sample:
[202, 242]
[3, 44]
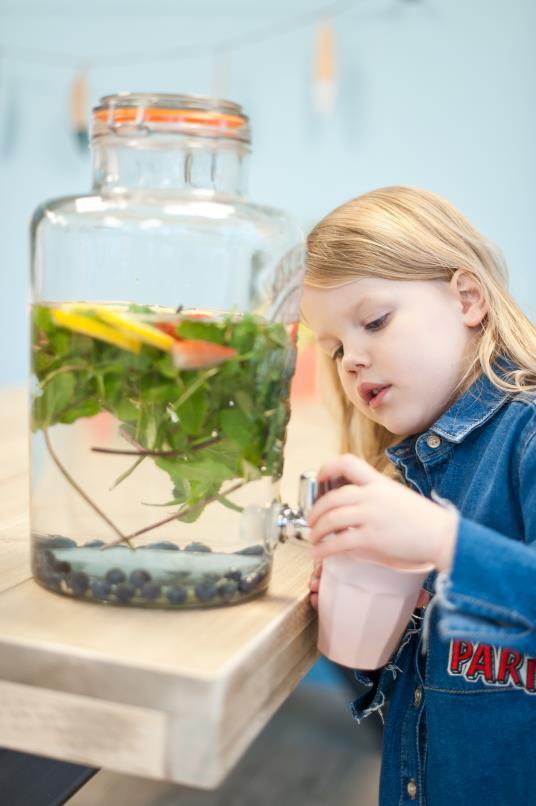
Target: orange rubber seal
[191, 117]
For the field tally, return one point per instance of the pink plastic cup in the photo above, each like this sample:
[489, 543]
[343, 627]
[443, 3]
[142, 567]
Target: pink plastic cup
[364, 605]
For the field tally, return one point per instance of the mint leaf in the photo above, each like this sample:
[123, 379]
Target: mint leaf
[236, 426]
[85, 408]
[161, 408]
[55, 399]
[192, 412]
[229, 504]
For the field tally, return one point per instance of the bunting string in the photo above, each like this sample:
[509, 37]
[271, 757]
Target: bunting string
[225, 45]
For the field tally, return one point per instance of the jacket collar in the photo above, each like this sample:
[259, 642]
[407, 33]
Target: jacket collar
[469, 411]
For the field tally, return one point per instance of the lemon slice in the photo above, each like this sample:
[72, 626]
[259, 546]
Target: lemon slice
[77, 307]
[90, 327]
[138, 330]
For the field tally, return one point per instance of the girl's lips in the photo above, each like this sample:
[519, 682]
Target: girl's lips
[378, 400]
[367, 390]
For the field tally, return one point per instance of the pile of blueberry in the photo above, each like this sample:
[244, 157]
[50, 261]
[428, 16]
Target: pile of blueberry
[139, 587]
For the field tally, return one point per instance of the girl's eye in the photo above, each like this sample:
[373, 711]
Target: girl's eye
[338, 354]
[377, 324]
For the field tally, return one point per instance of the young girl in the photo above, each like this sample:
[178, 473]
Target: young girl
[434, 367]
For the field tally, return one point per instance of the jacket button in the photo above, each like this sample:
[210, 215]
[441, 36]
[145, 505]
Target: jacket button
[433, 441]
[417, 697]
[412, 788]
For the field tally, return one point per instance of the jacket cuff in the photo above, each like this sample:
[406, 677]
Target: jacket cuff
[488, 594]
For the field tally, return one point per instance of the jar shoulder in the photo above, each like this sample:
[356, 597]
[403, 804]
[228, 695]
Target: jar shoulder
[218, 210]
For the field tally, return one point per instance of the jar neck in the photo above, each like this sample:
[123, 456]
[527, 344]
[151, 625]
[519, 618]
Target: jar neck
[179, 164]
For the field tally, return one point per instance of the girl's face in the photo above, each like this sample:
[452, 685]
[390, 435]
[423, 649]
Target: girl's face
[408, 336]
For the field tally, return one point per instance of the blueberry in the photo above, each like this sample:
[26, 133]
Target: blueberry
[59, 542]
[177, 595]
[249, 583]
[139, 577]
[100, 589]
[165, 545]
[150, 591]
[48, 559]
[206, 591]
[114, 576]
[233, 573]
[124, 592]
[94, 544]
[262, 571]
[251, 550]
[78, 582]
[197, 547]
[62, 567]
[227, 589]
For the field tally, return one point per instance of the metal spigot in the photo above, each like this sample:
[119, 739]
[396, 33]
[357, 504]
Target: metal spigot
[293, 522]
[276, 523]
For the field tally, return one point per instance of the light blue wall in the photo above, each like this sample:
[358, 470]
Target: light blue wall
[437, 93]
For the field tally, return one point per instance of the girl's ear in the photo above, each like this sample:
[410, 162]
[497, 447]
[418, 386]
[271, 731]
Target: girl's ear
[471, 298]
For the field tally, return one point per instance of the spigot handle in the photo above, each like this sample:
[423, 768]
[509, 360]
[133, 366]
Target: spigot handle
[293, 522]
[307, 492]
[310, 489]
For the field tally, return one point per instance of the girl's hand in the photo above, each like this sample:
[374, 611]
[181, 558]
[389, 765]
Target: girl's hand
[314, 584]
[376, 513]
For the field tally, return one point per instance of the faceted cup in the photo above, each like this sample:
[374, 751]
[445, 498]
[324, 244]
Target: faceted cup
[364, 605]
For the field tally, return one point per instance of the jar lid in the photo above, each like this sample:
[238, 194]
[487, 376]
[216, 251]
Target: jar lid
[136, 114]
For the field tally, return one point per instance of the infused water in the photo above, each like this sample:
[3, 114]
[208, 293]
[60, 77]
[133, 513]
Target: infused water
[158, 448]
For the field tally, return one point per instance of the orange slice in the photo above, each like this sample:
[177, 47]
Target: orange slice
[198, 354]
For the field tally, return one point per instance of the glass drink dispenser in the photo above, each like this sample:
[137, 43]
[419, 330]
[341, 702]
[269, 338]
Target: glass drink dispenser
[164, 317]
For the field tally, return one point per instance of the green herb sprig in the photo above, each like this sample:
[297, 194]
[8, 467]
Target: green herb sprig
[202, 427]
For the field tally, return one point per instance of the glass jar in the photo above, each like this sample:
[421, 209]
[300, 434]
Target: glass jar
[164, 316]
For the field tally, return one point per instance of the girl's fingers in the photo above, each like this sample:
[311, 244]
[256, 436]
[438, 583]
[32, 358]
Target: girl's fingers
[345, 541]
[349, 494]
[313, 598]
[334, 520]
[314, 584]
[350, 467]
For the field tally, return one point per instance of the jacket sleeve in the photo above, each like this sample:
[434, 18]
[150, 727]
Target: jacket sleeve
[489, 594]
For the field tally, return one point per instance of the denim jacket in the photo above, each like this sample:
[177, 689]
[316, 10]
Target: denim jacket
[461, 718]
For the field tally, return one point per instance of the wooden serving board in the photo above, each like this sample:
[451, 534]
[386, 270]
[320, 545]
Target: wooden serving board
[174, 696]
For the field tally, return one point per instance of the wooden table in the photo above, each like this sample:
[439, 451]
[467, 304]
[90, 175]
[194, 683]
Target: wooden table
[175, 696]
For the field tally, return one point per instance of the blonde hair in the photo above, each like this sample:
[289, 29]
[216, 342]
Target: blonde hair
[403, 233]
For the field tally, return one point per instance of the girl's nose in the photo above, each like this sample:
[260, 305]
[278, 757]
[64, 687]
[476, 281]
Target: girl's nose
[353, 361]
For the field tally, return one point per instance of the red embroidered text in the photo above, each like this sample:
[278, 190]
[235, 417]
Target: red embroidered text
[496, 666]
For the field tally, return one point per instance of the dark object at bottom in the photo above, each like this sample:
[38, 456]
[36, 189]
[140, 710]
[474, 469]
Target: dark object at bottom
[27, 779]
